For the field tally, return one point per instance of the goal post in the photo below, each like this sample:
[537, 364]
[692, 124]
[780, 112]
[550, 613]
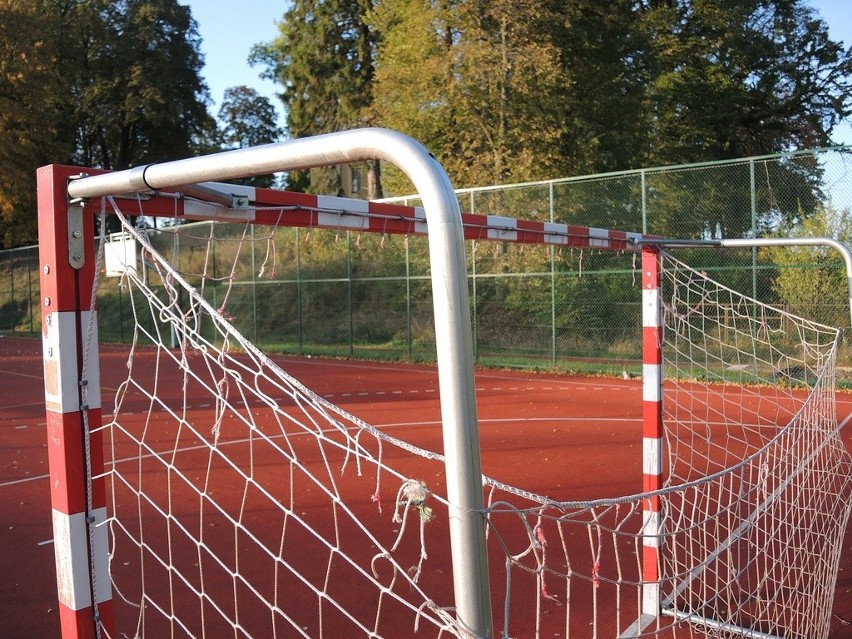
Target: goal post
[81, 514]
[73, 410]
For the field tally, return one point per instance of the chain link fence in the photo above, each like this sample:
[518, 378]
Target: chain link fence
[344, 294]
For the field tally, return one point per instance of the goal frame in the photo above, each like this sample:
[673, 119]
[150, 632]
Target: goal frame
[653, 376]
[72, 385]
[72, 388]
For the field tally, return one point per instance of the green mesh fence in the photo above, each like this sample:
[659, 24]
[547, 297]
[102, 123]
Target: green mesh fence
[20, 311]
[364, 295]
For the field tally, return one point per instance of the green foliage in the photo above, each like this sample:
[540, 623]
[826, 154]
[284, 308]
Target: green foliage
[513, 91]
[31, 111]
[138, 92]
[474, 81]
[323, 59]
[97, 83]
[812, 280]
[740, 78]
[249, 119]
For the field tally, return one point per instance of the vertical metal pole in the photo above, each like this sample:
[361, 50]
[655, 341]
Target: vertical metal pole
[121, 315]
[13, 321]
[473, 310]
[349, 291]
[753, 190]
[652, 436]
[644, 188]
[408, 318]
[299, 291]
[73, 410]
[32, 306]
[253, 286]
[474, 302]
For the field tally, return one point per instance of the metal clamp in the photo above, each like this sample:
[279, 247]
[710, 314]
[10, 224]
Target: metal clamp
[76, 240]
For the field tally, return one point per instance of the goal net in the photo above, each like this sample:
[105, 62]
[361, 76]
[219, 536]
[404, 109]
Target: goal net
[243, 503]
[753, 504]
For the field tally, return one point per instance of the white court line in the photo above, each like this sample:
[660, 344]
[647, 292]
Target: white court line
[26, 480]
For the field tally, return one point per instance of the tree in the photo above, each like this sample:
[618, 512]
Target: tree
[323, 59]
[812, 281]
[140, 96]
[249, 119]
[29, 114]
[603, 53]
[98, 83]
[474, 82]
[737, 78]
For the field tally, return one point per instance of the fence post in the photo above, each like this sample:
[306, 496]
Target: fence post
[753, 198]
[253, 285]
[299, 291]
[474, 302]
[13, 322]
[408, 318]
[349, 292]
[552, 206]
[31, 306]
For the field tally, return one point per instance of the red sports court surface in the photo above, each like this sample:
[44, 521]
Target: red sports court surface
[552, 434]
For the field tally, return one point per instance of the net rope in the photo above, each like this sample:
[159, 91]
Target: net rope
[243, 503]
[273, 438]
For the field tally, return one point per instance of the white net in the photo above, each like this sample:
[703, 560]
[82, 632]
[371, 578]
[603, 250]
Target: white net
[245, 504]
[756, 497]
[753, 538]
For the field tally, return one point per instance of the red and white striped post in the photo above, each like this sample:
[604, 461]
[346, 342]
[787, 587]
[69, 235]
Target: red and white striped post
[73, 405]
[652, 435]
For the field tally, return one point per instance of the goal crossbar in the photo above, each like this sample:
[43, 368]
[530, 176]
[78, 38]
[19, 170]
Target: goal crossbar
[278, 208]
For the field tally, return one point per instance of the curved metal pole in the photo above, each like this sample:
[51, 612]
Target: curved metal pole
[450, 297]
[840, 247]
[802, 241]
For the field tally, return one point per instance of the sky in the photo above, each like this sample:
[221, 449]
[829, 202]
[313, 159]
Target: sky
[229, 30]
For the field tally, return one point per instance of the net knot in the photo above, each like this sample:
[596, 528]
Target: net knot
[413, 493]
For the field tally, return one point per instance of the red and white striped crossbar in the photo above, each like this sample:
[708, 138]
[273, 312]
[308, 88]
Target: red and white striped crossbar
[273, 207]
[77, 492]
[73, 406]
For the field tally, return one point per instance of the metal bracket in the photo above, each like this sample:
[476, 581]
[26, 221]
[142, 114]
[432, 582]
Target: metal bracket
[240, 202]
[76, 241]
